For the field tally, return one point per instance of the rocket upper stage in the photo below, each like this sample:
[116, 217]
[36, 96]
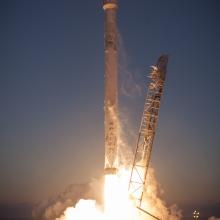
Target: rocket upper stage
[110, 7]
[111, 86]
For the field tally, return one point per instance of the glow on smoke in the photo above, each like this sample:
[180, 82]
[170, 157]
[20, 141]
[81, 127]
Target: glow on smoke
[118, 204]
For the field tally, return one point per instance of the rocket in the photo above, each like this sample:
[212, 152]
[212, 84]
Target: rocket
[111, 86]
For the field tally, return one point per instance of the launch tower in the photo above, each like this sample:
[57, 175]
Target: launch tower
[147, 130]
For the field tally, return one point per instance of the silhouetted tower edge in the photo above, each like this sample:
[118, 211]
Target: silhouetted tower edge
[147, 130]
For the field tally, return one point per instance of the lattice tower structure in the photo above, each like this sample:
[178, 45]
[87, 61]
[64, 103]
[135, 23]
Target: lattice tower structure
[147, 130]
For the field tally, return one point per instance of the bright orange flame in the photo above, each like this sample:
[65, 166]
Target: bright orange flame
[117, 203]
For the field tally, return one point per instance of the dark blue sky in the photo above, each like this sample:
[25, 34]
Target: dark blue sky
[52, 73]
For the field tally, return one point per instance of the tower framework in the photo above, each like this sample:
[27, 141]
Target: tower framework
[147, 130]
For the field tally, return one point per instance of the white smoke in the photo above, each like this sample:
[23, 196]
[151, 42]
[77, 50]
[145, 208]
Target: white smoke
[128, 85]
[71, 203]
[129, 89]
[55, 206]
[153, 202]
[82, 210]
[213, 218]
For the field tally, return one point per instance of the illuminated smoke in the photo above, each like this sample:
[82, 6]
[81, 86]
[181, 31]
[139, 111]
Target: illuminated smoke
[85, 209]
[55, 206]
[128, 85]
[213, 218]
[153, 202]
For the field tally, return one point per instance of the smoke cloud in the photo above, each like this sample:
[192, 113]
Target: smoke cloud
[213, 218]
[55, 206]
[128, 86]
[152, 202]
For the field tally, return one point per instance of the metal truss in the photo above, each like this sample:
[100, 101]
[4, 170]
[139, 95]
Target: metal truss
[147, 130]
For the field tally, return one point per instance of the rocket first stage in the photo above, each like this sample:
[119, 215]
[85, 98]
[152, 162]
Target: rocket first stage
[111, 86]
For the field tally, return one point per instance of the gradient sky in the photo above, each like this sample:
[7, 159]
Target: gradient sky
[51, 115]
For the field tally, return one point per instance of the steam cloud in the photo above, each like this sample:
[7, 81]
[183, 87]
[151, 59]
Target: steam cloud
[213, 218]
[128, 86]
[54, 207]
[155, 204]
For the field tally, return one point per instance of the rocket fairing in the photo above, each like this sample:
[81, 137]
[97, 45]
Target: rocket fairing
[111, 86]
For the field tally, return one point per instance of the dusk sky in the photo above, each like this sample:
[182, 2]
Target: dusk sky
[52, 91]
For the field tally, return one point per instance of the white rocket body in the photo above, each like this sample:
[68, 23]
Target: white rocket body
[111, 86]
